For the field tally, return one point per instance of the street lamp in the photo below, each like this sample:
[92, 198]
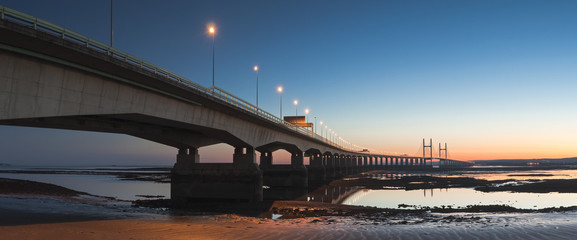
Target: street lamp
[256, 70]
[314, 126]
[296, 102]
[111, 22]
[306, 115]
[279, 90]
[212, 31]
[321, 128]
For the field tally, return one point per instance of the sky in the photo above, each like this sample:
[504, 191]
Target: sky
[493, 79]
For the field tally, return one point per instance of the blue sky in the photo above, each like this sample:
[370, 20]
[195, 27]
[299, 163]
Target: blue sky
[493, 79]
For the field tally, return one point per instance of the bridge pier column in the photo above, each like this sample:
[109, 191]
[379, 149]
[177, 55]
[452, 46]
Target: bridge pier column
[244, 156]
[330, 166]
[344, 165]
[354, 166]
[286, 181]
[317, 175]
[371, 163]
[338, 166]
[192, 181]
[265, 159]
[186, 158]
[349, 164]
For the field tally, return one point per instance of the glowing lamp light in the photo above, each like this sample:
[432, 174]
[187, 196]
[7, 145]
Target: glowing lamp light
[211, 30]
[279, 89]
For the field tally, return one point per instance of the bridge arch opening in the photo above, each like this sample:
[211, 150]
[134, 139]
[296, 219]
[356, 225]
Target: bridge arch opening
[281, 156]
[217, 153]
[313, 156]
[267, 153]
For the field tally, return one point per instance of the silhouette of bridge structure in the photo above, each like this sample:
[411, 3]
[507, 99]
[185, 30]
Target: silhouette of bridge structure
[52, 77]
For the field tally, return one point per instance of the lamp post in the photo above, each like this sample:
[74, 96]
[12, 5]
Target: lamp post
[279, 90]
[321, 128]
[335, 138]
[306, 115]
[296, 102]
[256, 70]
[111, 26]
[314, 126]
[212, 31]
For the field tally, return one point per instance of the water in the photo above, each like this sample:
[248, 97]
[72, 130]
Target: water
[107, 183]
[101, 184]
[459, 198]
[524, 175]
[463, 197]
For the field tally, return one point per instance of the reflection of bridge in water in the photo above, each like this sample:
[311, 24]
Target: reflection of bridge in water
[351, 194]
[51, 77]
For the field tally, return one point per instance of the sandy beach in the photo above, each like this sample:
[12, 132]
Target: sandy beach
[489, 226]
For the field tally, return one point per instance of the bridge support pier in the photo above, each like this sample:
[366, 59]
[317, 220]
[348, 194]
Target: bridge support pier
[317, 175]
[330, 167]
[285, 181]
[355, 164]
[265, 159]
[337, 164]
[350, 165]
[193, 181]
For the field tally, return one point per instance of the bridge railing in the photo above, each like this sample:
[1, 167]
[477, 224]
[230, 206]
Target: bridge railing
[65, 34]
[244, 105]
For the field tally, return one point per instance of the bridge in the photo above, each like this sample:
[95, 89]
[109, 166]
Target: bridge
[52, 77]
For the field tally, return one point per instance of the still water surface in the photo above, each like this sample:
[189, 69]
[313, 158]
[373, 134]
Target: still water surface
[462, 197]
[459, 197]
[101, 185]
[112, 186]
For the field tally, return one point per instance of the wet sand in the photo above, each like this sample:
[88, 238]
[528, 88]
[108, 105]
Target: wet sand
[39, 211]
[504, 226]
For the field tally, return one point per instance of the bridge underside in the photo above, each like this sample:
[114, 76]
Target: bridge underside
[163, 131]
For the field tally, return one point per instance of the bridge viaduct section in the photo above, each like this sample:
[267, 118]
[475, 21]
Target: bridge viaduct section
[49, 81]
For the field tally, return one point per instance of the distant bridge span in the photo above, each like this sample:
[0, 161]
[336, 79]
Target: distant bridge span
[51, 77]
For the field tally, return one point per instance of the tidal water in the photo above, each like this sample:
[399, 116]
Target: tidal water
[96, 181]
[106, 181]
[459, 198]
[463, 197]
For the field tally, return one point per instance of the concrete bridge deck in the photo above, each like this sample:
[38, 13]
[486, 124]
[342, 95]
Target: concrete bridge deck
[51, 77]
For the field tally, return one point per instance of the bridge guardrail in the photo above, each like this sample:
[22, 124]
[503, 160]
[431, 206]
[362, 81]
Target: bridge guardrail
[242, 104]
[47, 27]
